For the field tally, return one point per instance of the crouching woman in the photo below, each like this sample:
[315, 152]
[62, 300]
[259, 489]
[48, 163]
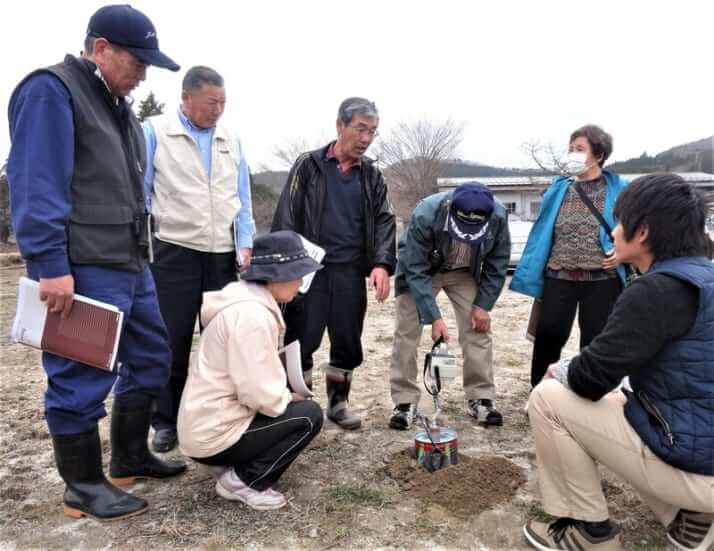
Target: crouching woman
[237, 413]
[658, 436]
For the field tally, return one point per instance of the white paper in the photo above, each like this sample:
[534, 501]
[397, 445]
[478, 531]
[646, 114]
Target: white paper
[290, 356]
[624, 384]
[317, 254]
[239, 258]
[30, 316]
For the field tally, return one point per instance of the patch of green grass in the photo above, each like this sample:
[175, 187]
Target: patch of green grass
[357, 495]
[536, 512]
[342, 532]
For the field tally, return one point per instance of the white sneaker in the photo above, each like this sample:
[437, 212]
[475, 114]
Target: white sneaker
[230, 487]
[273, 493]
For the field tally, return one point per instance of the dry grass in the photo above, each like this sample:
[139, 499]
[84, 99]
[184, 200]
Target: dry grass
[339, 497]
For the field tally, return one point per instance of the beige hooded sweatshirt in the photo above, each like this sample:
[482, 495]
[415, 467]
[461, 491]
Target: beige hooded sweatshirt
[236, 371]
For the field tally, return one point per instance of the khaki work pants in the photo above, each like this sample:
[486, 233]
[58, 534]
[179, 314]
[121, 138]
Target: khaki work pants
[573, 434]
[477, 348]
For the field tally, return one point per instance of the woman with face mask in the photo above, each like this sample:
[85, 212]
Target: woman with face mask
[569, 262]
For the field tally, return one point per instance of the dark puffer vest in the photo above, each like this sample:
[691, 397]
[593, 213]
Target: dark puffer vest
[672, 404]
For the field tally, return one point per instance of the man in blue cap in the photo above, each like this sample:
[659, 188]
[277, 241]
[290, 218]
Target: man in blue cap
[76, 172]
[457, 241]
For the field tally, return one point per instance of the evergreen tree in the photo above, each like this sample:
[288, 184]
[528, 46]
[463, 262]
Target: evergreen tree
[5, 224]
[149, 107]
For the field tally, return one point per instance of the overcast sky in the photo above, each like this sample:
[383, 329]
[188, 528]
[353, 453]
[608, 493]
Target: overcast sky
[513, 71]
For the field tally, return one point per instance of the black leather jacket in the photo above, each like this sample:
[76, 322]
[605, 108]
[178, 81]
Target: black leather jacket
[301, 204]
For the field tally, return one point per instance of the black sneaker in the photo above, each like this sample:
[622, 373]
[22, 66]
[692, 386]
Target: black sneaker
[402, 416]
[493, 417]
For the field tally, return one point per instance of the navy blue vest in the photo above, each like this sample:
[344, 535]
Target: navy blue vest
[672, 405]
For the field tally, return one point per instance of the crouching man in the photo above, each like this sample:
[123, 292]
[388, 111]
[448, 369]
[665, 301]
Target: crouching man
[457, 241]
[658, 436]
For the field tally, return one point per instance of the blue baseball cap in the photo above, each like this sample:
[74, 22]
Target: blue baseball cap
[127, 27]
[470, 210]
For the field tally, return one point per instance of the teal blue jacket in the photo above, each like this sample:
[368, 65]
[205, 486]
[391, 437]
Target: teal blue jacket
[530, 273]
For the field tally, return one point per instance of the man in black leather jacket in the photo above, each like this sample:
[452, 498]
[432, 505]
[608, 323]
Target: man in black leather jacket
[336, 197]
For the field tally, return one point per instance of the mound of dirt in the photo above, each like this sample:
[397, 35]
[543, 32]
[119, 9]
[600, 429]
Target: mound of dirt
[466, 489]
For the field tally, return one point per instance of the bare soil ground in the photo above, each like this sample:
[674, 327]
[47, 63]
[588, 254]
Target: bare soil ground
[349, 490]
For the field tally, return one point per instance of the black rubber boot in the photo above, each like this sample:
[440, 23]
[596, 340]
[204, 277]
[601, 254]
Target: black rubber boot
[88, 492]
[165, 439]
[131, 458]
[338, 382]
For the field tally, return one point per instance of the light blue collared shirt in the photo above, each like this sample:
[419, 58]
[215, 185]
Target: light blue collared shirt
[204, 139]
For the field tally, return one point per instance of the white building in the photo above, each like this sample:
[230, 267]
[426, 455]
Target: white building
[521, 195]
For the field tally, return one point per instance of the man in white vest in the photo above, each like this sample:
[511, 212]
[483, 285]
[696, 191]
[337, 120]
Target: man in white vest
[198, 189]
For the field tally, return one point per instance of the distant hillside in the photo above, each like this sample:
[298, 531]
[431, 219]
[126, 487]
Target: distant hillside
[273, 179]
[265, 199]
[690, 157]
[459, 168]
[266, 190]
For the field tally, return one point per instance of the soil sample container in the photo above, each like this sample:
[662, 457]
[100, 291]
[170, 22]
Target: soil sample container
[447, 452]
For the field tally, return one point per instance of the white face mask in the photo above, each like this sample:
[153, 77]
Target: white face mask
[575, 163]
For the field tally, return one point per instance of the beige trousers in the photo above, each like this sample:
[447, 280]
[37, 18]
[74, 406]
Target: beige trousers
[572, 434]
[476, 347]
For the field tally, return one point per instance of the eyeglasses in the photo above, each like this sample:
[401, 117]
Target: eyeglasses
[364, 130]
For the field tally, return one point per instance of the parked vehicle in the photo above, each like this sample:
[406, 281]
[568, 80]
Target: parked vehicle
[519, 235]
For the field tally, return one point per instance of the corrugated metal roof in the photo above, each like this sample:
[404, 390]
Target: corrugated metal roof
[522, 181]
[496, 181]
[688, 176]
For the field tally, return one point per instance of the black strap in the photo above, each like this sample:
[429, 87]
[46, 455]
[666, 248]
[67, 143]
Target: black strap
[629, 272]
[593, 208]
[427, 362]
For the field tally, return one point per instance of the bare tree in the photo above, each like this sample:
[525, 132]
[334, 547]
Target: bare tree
[414, 156]
[287, 153]
[545, 156]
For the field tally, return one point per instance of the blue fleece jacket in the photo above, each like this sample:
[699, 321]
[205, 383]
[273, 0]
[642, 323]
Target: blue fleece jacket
[39, 172]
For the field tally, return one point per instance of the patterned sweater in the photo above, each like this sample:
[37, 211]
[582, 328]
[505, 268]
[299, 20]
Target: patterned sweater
[576, 245]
